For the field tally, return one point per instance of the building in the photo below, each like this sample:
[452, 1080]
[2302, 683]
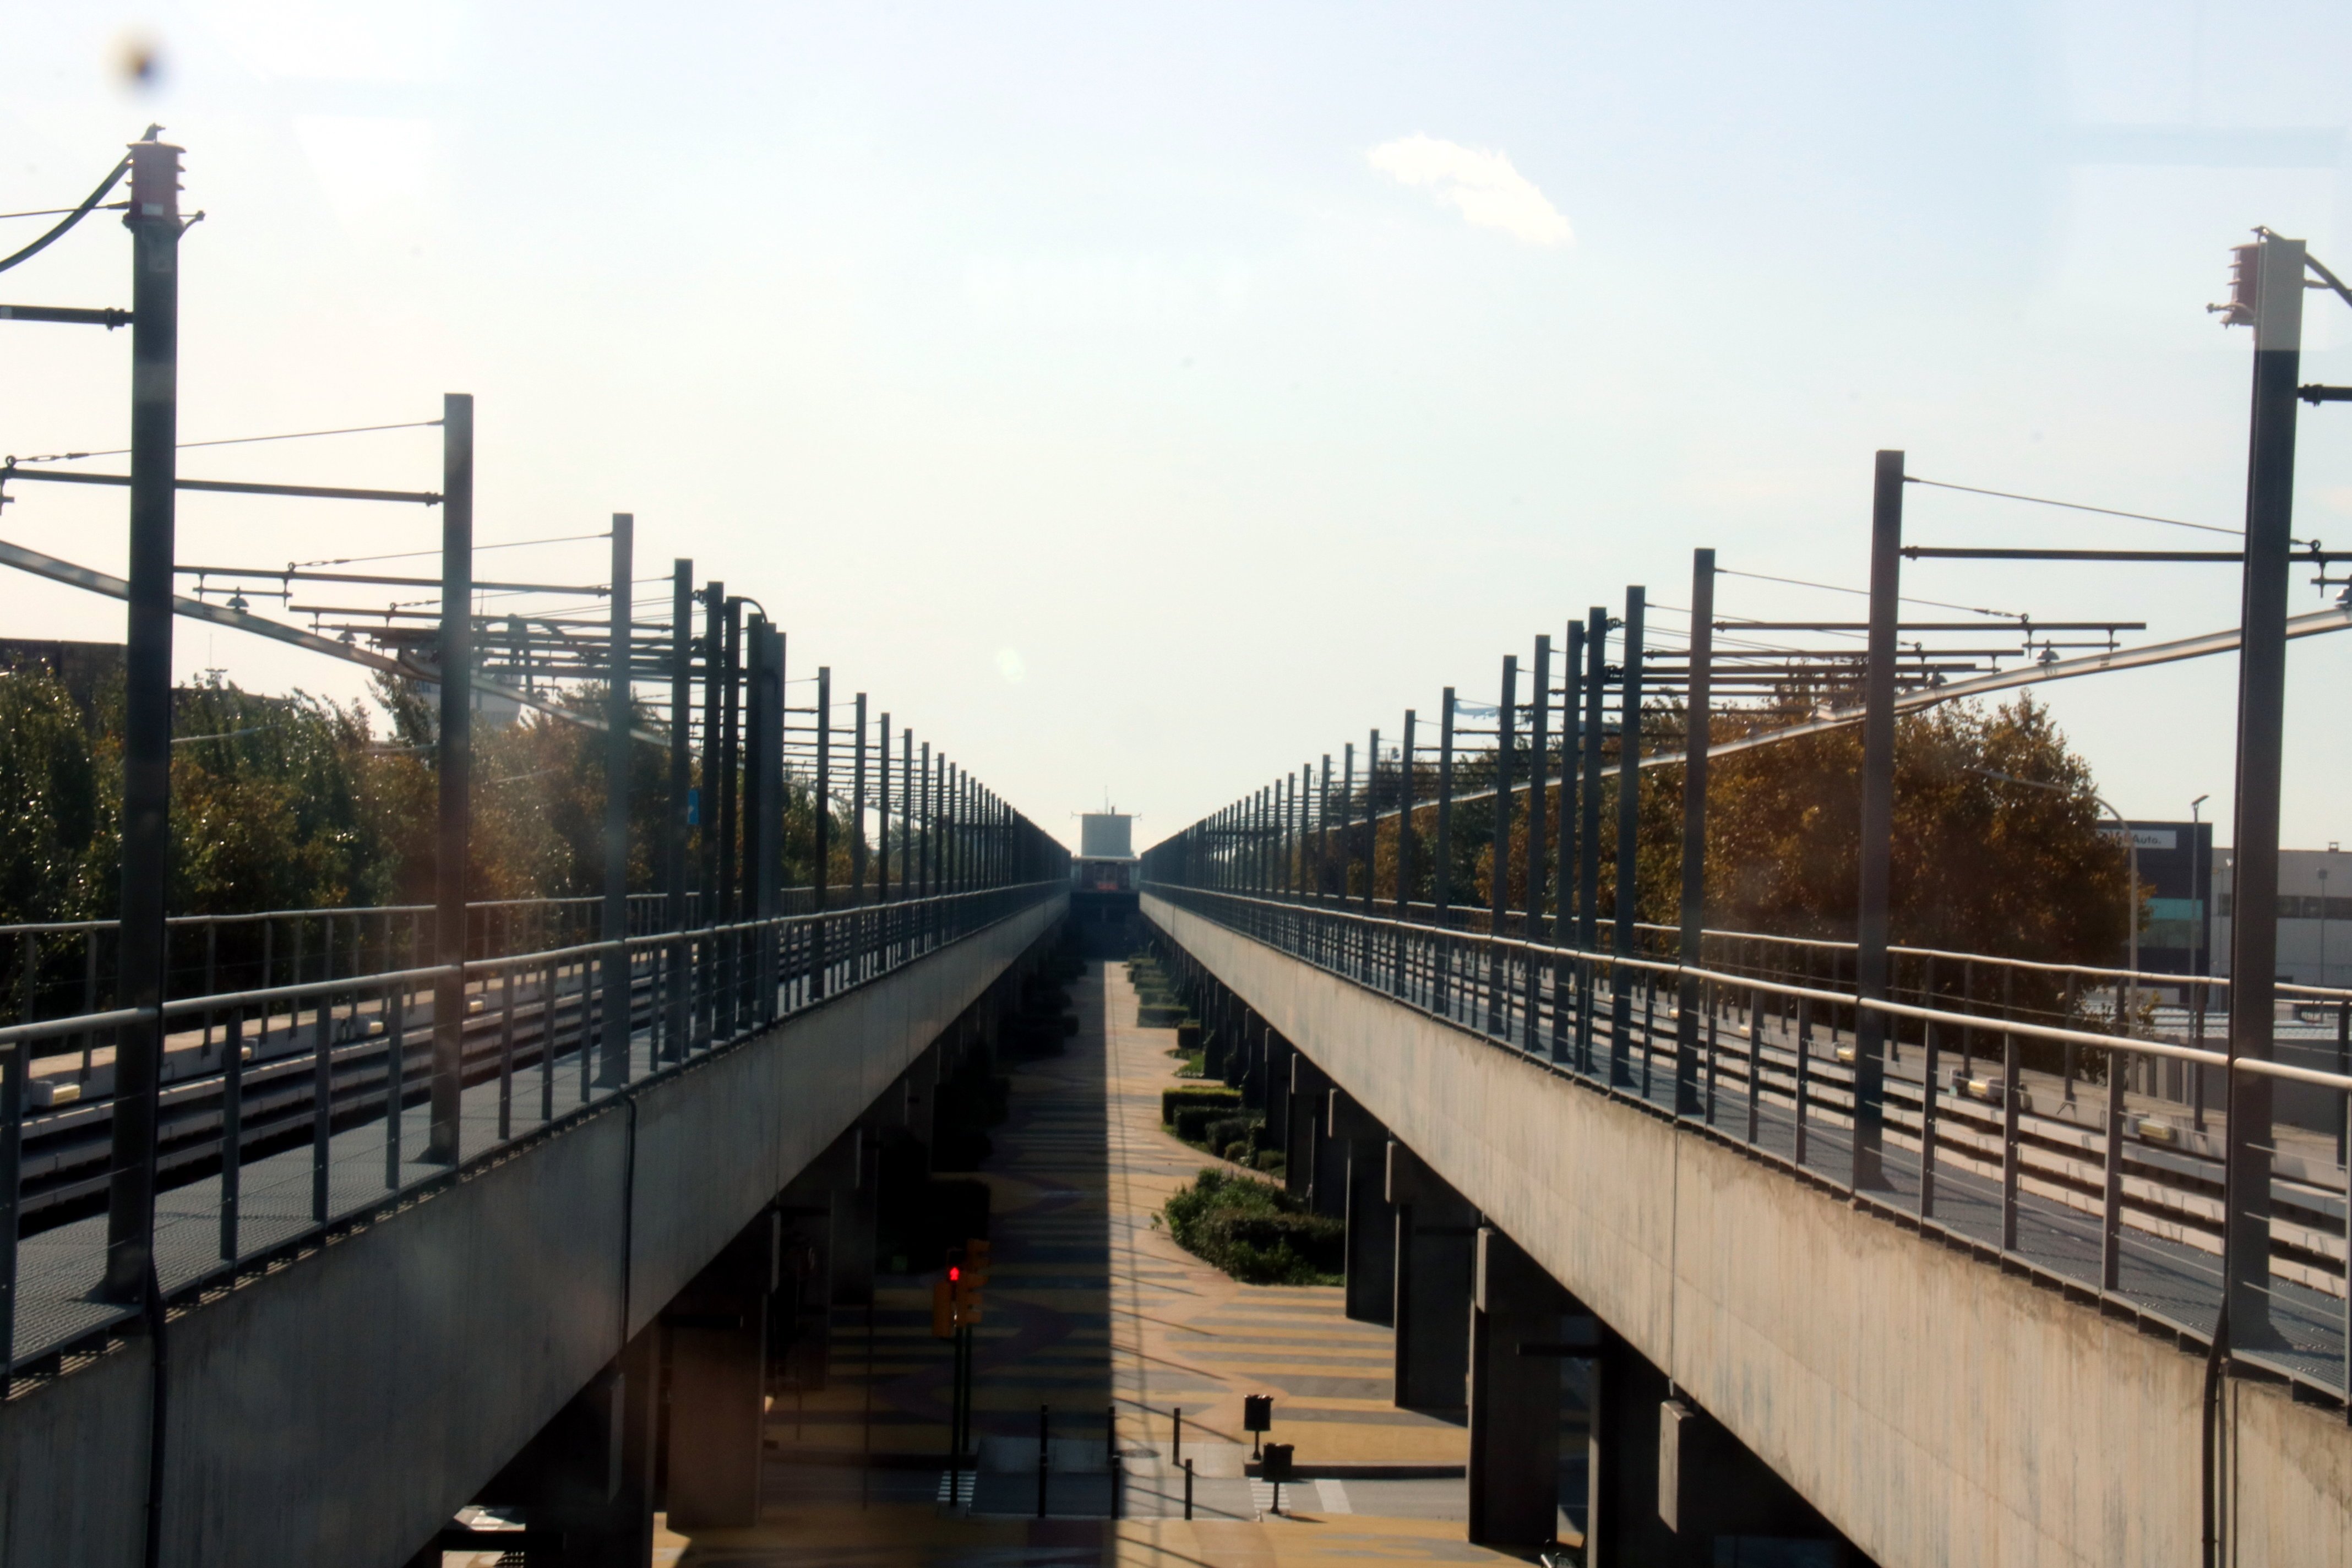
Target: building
[2175, 860]
[2314, 915]
[83, 668]
[1105, 905]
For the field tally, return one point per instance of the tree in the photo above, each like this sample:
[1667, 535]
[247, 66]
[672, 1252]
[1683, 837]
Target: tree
[1980, 865]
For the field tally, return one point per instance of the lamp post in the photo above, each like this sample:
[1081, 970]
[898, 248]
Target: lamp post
[2200, 879]
[2322, 925]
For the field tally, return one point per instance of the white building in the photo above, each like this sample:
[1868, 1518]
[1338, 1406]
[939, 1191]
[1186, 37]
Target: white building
[2314, 927]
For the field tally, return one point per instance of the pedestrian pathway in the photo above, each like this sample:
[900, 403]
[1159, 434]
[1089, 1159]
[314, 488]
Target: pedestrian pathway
[1092, 1308]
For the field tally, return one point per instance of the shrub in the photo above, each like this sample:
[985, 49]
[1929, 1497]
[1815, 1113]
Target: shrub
[1193, 1121]
[1241, 1129]
[1172, 1099]
[1255, 1231]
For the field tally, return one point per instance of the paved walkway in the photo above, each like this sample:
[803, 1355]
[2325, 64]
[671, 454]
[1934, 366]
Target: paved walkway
[1092, 1307]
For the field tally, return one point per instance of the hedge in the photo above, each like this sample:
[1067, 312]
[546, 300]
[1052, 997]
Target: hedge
[1226, 1100]
[1255, 1231]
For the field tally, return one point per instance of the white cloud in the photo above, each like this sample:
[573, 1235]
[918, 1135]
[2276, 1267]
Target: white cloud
[1479, 183]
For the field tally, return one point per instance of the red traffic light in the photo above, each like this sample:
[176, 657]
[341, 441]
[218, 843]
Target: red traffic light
[954, 1272]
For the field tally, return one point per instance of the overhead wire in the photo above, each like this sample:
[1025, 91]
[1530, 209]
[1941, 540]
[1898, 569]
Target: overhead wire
[1864, 593]
[411, 554]
[75, 215]
[235, 441]
[2076, 506]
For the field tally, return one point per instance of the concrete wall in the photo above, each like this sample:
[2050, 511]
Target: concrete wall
[340, 1409]
[1935, 1409]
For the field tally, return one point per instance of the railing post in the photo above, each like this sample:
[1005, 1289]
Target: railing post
[15, 1059]
[1927, 1070]
[1804, 1073]
[232, 1147]
[2111, 1208]
[2012, 1103]
[548, 984]
[393, 1012]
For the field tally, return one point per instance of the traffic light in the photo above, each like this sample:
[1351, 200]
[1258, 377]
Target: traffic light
[969, 1282]
[955, 1295]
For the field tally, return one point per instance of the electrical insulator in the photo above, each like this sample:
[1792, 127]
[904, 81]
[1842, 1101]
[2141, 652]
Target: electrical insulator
[2245, 285]
[154, 180]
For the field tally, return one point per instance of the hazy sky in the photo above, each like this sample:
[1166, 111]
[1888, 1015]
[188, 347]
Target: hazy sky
[1148, 399]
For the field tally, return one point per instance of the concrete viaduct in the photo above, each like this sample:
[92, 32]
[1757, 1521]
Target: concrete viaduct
[1766, 1359]
[491, 1340]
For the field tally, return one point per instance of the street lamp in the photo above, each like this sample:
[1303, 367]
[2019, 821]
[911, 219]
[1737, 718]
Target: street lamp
[2322, 925]
[2200, 879]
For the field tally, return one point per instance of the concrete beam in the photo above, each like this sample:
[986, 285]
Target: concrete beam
[1933, 1408]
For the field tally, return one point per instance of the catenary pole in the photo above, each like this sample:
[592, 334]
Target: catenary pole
[2277, 268]
[455, 769]
[1877, 841]
[153, 220]
[613, 1069]
[1697, 709]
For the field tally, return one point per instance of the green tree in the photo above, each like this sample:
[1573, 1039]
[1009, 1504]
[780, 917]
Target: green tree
[48, 777]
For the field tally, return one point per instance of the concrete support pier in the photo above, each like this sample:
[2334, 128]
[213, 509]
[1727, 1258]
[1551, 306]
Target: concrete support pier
[587, 1478]
[1305, 1155]
[1436, 1233]
[1514, 1338]
[1363, 1144]
[718, 1381]
[856, 1210]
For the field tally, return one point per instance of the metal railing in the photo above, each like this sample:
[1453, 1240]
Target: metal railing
[308, 1106]
[1959, 1135]
[61, 968]
[2314, 1029]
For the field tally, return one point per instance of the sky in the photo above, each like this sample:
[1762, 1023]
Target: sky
[1142, 401]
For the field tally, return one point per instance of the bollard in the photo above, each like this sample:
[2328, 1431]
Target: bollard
[1176, 1450]
[1188, 1489]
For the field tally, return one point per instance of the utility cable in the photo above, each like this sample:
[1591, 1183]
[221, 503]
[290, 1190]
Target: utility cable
[52, 212]
[1864, 593]
[77, 214]
[236, 441]
[413, 554]
[2077, 506]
